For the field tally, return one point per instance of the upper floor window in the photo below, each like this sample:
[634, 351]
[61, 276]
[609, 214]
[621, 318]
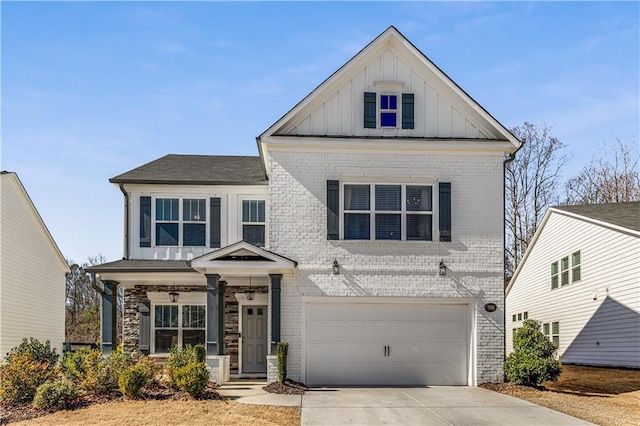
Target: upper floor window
[387, 110]
[398, 212]
[188, 229]
[253, 222]
[566, 271]
[575, 265]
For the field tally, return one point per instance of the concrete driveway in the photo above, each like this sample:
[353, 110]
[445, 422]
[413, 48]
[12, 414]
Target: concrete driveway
[441, 405]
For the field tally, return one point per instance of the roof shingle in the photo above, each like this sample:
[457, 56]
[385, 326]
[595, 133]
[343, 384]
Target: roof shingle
[198, 170]
[626, 215]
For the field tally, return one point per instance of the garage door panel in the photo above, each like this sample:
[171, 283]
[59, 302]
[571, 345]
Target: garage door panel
[346, 344]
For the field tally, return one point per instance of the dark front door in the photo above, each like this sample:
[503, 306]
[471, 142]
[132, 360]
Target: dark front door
[254, 339]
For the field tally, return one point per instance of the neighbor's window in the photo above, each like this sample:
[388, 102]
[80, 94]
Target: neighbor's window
[514, 318]
[253, 222]
[399, 212]
[564, 270]
[525, 315]
[170, 332]
[554, 275]
[388, 110]
[575, 265]
[555, 334]
[545, 329]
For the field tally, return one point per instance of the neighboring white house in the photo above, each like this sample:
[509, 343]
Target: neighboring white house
[368, 235]
[580, 277]
[32, 272]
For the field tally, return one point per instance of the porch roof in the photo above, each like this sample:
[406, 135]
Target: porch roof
[139, 265]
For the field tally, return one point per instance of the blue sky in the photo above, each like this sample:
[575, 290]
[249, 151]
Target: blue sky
[90, 90]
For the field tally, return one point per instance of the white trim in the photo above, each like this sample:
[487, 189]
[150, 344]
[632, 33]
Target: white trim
[398, 85]
[261, 299]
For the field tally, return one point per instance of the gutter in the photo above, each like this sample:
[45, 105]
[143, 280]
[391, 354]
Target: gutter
[126, 221]
[510, 157]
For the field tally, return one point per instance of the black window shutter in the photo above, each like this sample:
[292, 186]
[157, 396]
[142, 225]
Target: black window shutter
[407, 111]
[445, 211]
[333, 200]
[144, 336]
[215, 225]
[145, 221]
[370, 110]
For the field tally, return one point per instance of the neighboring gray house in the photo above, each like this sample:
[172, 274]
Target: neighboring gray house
[580, 277]
[368, 234]
[32, 272]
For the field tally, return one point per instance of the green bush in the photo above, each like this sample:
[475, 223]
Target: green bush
[180, 357]
[132, 380]
[39, 352]
[92, 372]
[282, 349]
[533, 360]
[152, 369]
[192, 378]
[21, 376]
[55, 395]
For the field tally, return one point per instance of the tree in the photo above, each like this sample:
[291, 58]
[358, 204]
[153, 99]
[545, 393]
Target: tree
[531, 185]
[82, 322]
[533, 359]
[612, 177]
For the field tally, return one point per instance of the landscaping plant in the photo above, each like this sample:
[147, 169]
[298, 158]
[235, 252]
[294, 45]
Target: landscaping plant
[282, 350]
[180, 357]
[132, 379]
[192, 378]
[533, 360]
[55, 395]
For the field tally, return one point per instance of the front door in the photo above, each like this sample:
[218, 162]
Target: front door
[254, 339]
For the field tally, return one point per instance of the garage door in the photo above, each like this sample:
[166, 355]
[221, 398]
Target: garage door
[386, 344]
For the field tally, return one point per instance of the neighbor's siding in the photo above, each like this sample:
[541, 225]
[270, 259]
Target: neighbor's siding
[32, 281]
[297, 190]
[600, 314]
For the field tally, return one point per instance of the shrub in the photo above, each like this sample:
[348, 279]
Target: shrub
[282, 350]
[132, 380]
[180, 357]
[94, 373]
[39, 352]
[533, 360]
[151, 368]
[192, 378]
[55, 395]
[21, 376]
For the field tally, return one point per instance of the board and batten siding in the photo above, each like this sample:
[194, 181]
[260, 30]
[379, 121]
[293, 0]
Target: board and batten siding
[599, 315]
[230, 216]
[32, 273]
[439, 112]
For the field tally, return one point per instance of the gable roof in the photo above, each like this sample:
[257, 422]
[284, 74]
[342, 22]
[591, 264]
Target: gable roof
[198, 170]
[626, 215]
[350, 67]
[14, 177]
[619, 217]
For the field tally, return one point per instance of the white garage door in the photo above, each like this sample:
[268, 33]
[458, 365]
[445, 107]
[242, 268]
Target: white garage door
[386, 344]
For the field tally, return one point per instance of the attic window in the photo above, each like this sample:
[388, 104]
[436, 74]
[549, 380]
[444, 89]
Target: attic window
[388, 110]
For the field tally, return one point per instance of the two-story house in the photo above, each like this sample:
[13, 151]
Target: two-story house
[368, 234]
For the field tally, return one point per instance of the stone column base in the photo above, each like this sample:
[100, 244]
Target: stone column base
[219, 368]
[272, 368]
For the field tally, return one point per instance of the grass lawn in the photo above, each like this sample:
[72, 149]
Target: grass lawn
[172, 413]
[605, 396]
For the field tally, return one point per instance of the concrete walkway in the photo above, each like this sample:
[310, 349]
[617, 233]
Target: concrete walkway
[438, 405]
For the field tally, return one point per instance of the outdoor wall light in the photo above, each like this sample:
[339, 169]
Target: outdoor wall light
[336, 267]
[490, 307]
[442, 268]
[173, 296]
[250, 293]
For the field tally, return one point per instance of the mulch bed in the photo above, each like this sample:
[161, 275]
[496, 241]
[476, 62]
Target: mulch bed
[289, 387]
[25, 411]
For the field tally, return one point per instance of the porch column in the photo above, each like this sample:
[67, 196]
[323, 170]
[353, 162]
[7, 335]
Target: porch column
[275, 311]
[215, 314]
[108, 330]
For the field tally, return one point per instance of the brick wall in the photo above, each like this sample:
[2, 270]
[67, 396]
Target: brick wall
[474, 257]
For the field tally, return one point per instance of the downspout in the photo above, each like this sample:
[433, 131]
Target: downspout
[126, 221]
[510, 157]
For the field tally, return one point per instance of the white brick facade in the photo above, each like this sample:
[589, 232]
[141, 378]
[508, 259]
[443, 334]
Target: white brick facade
[297, 191]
